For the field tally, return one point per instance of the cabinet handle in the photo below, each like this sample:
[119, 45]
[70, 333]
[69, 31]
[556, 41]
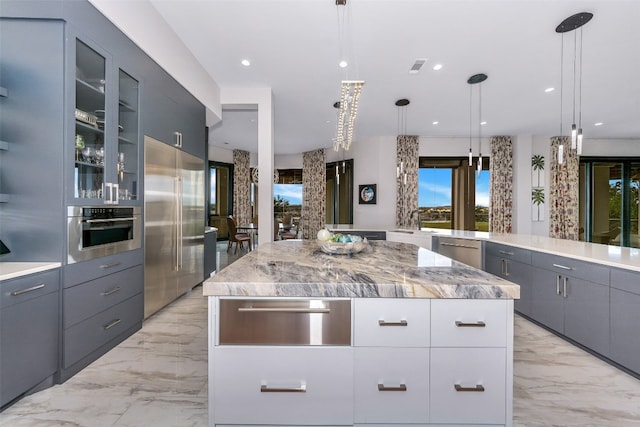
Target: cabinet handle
[457, 245]
[385, 323]
[25, 291]
[506, 253]
[564, 267]
[478, 387]
[502, 269]
[284, 310]
[266, 389]
[564, 287]
[478, 324]
[558, 292]
[112, 291]
[401, 387]
[506, 267]
[115, 190]
[111, 264]
[111, 324]
[178, 138]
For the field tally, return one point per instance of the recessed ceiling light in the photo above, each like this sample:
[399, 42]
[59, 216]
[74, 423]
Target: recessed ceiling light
[435, 123]
[598, 124]
[550, 89]
[483, 123]
[437, 67]
[343, 64]
[328, 121]
[245, 62]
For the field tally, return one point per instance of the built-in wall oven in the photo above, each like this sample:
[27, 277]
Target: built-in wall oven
[94, 232]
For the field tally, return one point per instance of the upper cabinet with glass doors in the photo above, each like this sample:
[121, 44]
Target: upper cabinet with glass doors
[106, 136]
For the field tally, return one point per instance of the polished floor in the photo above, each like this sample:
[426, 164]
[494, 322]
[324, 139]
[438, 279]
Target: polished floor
[158, 377]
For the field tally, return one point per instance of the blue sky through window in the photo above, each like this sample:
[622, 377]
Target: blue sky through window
[434, 187]
[290, 192]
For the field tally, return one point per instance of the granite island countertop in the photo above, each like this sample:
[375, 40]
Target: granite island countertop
[298, 268]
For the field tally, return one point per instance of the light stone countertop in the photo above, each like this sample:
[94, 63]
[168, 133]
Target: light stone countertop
[11, 270]
[298, 268]
[612, 256]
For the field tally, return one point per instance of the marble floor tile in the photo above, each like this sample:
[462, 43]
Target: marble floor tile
[158, 377]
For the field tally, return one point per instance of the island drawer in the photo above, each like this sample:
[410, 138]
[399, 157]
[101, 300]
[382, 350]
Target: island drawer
[283, 386]
[469, 386]
[570, 267]
[390, 322]
[508, 252]
[626, 280]
[24, 288]
[468, 323]
[285, 322]
[391, 385]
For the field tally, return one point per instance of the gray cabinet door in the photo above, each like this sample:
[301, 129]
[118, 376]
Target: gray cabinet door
[586, 311]
[28, 344]
[625, 334]
[516, 272]
[547, 303]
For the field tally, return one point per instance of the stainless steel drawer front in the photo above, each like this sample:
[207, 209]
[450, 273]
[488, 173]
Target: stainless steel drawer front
[285, 322]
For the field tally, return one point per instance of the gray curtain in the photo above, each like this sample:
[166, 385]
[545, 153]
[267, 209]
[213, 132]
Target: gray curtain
[241, 187]
[564, 191]
[501, 185]
[314, 188]
[407, 155]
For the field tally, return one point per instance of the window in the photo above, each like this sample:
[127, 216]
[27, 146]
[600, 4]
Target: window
[609, 201]
[287, 194]
[452, 195]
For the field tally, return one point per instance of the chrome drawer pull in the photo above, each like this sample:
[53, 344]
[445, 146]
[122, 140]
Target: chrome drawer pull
[478, 387]
[562, 267]
[385, 323]
[266, 389]
[478, 324]
[457, 245]
[283, 310]
[24, 291]
[506, 253]
[111, 324]
[401, 387]
[113, 264]
[112, 291]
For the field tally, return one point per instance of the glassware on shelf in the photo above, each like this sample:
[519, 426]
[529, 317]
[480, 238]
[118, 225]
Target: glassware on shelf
[88, 154]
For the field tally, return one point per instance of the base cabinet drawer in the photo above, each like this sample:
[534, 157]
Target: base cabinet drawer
[469, 385]
[391, 385]
[283, 386]
[388, 322]
[469, 323]
[84, 337]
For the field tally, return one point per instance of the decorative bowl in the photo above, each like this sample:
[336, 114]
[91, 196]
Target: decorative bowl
[346, 248]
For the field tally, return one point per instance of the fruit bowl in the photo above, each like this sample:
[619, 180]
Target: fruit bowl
[344, 248]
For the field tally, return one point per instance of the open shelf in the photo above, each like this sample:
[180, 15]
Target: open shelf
[92, 165]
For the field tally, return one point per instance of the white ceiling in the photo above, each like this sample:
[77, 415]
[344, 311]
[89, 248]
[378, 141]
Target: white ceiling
[294, 48]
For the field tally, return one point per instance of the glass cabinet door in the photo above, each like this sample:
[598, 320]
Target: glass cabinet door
[127, 156]
[89, 176]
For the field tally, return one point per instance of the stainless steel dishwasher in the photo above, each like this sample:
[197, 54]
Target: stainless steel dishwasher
[285, 322]
[463, 250]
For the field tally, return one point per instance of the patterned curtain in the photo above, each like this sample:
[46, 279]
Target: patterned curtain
[314, 188]
[407, 155]
[563, 191]
[501, 184]
[241, 187]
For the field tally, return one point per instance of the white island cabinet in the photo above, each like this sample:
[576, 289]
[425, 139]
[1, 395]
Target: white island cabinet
[387, 337]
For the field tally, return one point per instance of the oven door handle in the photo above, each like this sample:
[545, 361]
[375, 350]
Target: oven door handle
[93, 221]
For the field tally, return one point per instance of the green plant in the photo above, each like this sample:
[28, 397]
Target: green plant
[537, 196]
[537, 162]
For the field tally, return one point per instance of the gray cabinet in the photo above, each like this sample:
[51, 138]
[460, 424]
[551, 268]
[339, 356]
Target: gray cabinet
[29, 316]
[100, 311]
[513, 264]
[572, 297]
[625, 318]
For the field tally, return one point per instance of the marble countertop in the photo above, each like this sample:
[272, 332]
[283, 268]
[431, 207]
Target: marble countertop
[298, 268]
[11, 270]
[613, 256]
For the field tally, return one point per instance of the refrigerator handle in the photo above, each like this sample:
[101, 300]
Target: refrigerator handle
[177, 202]
[180, 224]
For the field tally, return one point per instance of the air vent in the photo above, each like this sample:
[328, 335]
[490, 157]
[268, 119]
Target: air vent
[415, 68]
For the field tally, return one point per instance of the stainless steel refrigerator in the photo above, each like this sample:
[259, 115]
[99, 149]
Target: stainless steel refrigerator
[174, 223]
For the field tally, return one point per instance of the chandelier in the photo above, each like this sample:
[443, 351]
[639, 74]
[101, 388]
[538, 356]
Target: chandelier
[347, 112]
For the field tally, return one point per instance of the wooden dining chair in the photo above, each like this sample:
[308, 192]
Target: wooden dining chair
[235, 237]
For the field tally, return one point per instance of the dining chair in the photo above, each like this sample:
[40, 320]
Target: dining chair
[235, 237]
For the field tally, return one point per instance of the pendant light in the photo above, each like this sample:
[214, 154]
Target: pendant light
[476, 79]
[402, 130]
[572, 23]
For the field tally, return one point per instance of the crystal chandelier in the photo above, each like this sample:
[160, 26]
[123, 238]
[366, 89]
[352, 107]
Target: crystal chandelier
[347, 112]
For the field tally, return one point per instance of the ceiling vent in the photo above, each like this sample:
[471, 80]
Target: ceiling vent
[415, 68]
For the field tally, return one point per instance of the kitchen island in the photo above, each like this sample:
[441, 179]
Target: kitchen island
[396, 334]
